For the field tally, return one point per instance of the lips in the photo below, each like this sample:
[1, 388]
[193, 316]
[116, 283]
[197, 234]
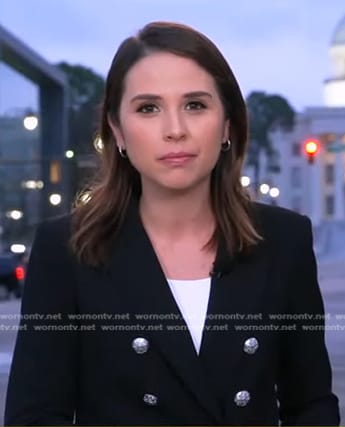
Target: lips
[180, 155]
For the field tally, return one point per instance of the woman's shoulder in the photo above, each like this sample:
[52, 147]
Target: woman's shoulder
[51, 247]
[54, 232]
[279, 221]
[57, 225]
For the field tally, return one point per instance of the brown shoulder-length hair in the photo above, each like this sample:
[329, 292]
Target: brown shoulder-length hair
[97, 222]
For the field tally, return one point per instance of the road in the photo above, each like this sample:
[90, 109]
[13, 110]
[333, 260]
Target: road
[332, 282]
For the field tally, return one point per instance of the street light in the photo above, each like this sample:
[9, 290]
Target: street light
[55, 199]
[15, 214]
[18, 248]
[274, 192]
[33, 184]
[264, 188]
[69, 154]
[245, 181]
[30, 122]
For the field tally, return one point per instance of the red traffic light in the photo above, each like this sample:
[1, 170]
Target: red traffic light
[311, 148]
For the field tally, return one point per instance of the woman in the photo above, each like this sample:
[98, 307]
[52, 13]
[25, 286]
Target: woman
[177, 300]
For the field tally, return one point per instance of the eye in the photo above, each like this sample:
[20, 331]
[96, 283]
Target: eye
[195, 105]
[147, 109]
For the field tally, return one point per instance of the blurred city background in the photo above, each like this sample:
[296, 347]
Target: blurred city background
[289, 58]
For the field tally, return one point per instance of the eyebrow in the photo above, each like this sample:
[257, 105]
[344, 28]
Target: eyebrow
[152, 97]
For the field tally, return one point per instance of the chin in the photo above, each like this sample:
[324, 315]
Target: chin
[176, 184]
[180, 186]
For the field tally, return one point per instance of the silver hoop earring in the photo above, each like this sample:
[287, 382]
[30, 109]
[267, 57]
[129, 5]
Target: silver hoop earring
[226, 145]
[122, 152]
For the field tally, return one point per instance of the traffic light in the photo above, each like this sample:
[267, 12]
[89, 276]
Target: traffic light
[311, 149]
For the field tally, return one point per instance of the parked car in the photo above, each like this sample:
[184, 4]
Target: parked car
[12, 275]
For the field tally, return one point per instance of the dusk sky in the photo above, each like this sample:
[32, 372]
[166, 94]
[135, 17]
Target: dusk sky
[280, 46]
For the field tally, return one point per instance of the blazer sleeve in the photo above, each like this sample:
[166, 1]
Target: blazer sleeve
[42, 381]
[305, 379]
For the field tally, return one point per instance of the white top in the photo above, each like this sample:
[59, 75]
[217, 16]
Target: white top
[192, 298]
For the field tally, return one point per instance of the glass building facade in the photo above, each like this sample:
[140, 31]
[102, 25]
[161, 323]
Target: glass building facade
[33, 138]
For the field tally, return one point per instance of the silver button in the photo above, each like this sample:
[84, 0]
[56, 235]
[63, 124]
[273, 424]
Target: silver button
[150, 399]
[251, 345]
[242, 398]
[140, 345]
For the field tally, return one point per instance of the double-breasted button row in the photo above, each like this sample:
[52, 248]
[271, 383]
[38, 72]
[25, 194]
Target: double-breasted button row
[242, 397]
[140, 345]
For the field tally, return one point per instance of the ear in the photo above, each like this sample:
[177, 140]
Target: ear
[226, 132]
[117, 133]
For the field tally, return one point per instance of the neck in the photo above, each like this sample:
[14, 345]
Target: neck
[179, 214]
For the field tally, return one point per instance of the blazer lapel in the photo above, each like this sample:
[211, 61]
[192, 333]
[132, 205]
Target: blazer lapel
[148, 292]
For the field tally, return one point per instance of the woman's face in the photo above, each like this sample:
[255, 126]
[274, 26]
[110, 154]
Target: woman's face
[171, 122]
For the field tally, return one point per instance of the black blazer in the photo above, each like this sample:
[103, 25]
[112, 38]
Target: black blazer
[95, 376]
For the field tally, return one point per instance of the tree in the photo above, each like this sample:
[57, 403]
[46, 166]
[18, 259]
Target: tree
[85, 93]
[266, 113]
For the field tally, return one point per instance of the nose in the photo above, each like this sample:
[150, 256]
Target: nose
[174, 127]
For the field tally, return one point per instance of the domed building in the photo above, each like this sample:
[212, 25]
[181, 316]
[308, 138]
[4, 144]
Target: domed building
[339, 34]
[334, 88]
